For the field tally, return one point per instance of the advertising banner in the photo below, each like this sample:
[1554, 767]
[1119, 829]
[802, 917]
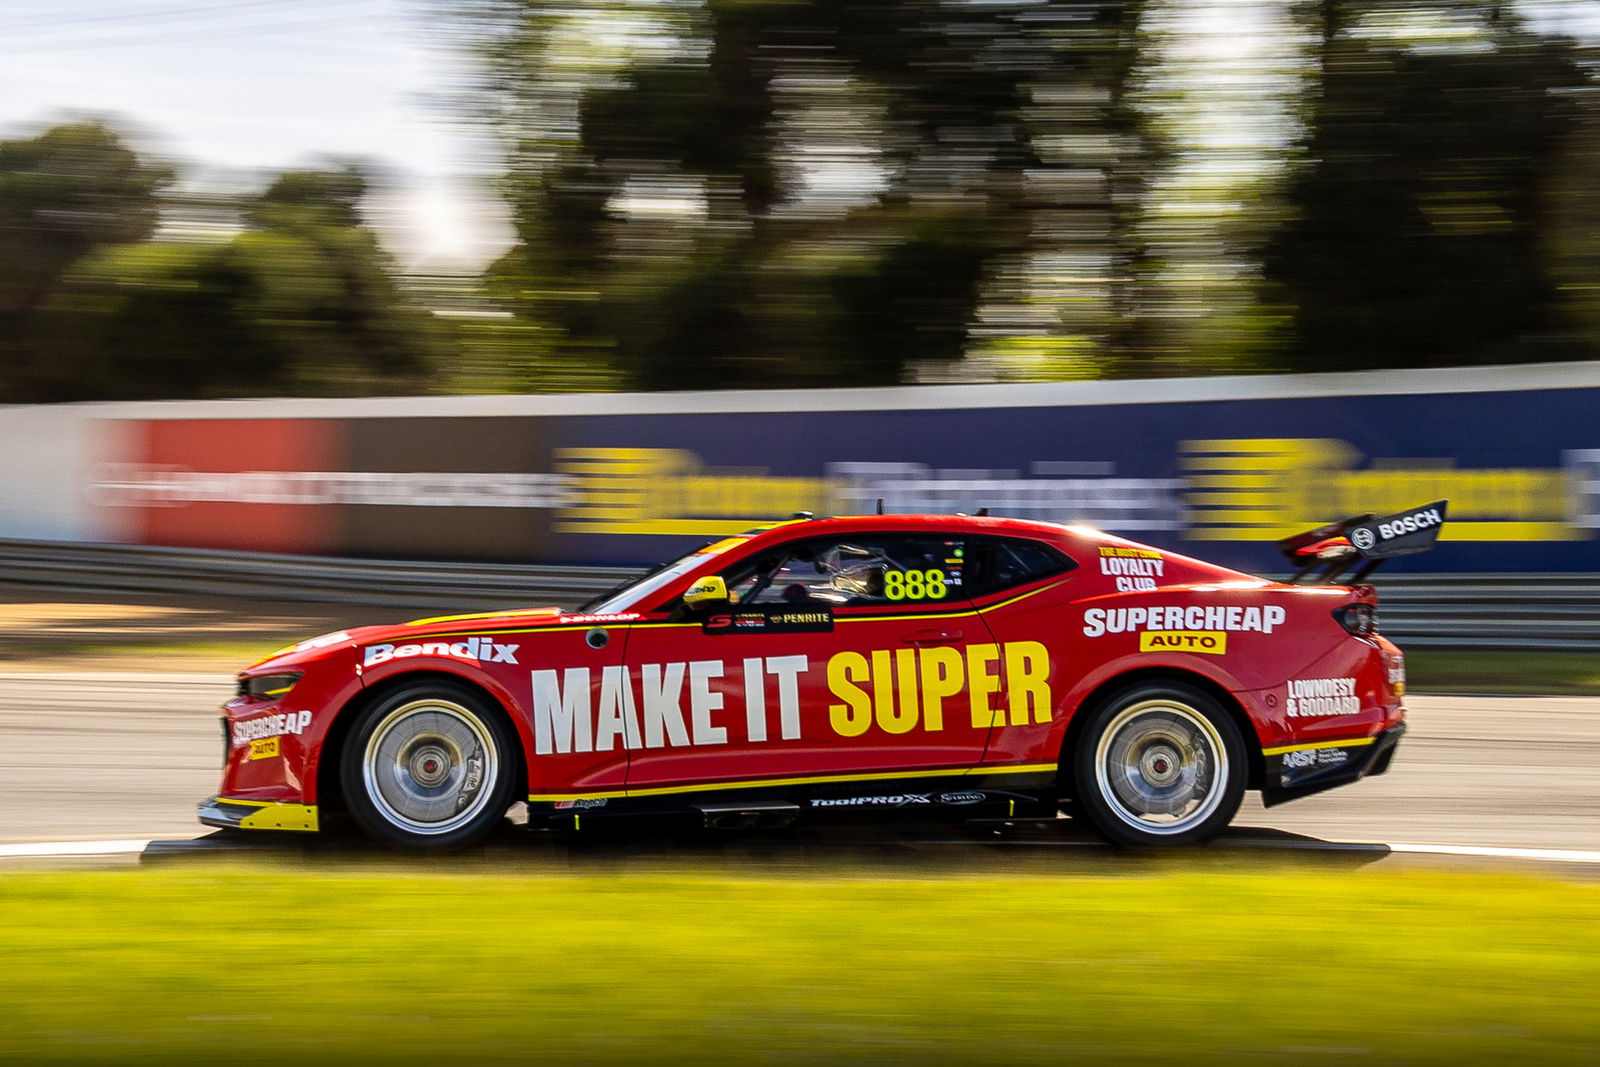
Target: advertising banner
[1217, 478]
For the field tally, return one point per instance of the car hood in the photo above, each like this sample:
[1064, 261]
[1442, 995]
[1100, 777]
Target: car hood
[436, 628]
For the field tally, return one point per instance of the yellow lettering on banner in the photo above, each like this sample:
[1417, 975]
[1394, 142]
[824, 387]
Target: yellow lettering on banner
[1212, 642]
[670, 491]
[851, 718]
[1267, 488]
[1028, 682]
[941, 677]
[983, 684]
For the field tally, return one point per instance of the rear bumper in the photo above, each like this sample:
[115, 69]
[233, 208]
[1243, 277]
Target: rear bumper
[236, 814]
[1297, 771]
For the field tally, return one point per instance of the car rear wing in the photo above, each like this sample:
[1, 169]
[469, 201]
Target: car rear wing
[1323, 554]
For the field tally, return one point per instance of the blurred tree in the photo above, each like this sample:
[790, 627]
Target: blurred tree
[1420, 219]
[1572, 224]
[301, 302]
[796, 193]
[63, 193]
[296, 198]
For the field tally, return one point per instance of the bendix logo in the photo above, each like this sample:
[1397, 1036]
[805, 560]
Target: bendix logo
[479, 649]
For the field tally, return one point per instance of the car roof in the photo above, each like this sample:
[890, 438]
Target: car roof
[1068, 537]
[993, 525]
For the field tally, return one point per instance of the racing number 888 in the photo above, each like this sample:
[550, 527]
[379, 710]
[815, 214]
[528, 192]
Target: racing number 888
[914, 585]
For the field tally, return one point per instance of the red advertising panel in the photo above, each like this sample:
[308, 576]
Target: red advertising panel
[256, 485]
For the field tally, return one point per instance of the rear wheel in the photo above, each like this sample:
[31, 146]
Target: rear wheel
[428, 767]
[1159, 765]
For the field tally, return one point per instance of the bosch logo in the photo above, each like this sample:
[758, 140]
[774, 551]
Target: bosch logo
[1421, 520]
[1362, 538]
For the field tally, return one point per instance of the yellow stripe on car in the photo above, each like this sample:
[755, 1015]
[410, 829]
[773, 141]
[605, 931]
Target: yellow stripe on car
[824, 779]
[1354, 742]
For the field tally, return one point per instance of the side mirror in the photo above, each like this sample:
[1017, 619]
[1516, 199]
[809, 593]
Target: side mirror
[706, 592]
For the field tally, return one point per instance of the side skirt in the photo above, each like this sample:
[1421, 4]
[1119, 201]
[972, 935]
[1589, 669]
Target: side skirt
[954, 797]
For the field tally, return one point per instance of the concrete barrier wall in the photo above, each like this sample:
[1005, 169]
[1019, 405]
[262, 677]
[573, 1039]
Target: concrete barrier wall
[1214, 467]
[51, 455]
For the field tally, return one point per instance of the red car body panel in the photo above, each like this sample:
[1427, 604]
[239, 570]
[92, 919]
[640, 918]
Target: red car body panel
[650, 702]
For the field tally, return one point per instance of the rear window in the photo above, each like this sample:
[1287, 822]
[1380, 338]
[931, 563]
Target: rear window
[999, 563]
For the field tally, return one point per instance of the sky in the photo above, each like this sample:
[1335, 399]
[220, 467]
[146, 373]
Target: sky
[253, 86]
[256, 86]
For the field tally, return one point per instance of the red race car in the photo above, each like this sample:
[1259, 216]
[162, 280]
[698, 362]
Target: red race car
[959, 665]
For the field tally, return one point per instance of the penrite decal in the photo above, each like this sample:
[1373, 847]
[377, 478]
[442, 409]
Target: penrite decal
[771, 620]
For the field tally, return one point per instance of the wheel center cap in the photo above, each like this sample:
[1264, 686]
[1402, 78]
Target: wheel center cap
[429, 765]
[1160, 765]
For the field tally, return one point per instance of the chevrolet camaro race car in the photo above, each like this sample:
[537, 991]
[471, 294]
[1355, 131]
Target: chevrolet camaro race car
[968, 666]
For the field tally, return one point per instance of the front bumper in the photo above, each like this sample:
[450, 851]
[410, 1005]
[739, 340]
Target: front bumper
[1297, 771]
[238, 814]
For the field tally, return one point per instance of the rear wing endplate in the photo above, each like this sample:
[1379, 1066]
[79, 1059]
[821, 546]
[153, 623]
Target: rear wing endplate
[1363, 542]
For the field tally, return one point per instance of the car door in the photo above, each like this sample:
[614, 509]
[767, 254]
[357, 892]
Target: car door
[568, 681]
[1020, 585]
[844, 658]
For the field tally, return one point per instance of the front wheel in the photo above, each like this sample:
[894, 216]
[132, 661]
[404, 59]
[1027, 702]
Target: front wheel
[428, 767]
[1159, 765]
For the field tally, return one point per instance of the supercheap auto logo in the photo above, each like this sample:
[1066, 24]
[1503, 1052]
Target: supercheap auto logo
[245, 731]
[1184, 627]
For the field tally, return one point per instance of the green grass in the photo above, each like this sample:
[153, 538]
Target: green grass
[1175, 960]
[1488, 671]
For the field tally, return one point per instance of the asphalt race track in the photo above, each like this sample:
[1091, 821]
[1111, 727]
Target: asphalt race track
[103, 756]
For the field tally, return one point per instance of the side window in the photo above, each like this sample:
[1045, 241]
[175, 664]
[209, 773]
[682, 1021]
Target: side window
[1001, 563]
[893, 569]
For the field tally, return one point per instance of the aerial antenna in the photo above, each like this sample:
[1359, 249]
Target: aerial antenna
[880, 505]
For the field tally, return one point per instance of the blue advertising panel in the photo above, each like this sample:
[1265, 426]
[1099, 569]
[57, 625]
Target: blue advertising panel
[1217, 468]
[1219, 479]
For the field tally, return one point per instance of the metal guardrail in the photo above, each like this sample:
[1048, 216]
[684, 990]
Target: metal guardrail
[1531, 611]
[259, 576]
[1535, 611]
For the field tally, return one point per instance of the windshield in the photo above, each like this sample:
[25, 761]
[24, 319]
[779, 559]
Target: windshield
[629, 596]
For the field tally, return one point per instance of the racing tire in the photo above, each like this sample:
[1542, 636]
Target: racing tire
[1158, 766]
[429, 767]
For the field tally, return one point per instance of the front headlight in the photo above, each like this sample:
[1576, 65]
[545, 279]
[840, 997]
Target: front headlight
[268, 686]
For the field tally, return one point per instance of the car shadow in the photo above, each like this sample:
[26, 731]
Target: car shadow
[983, 846]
